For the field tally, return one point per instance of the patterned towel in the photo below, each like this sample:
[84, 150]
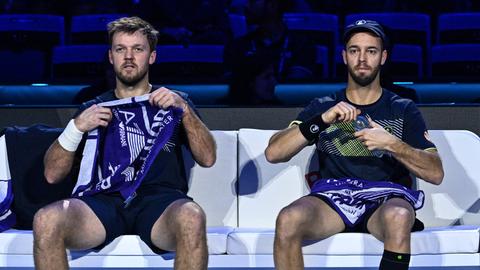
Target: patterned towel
[354, 197]
[7, 217]
[116, 158]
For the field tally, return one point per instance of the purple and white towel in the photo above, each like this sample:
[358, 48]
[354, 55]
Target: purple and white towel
[7, 217]
[116, 158]
[354, 197]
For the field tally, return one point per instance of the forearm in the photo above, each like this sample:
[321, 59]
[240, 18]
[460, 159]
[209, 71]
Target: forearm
[200, 139]
[58, 163]
[423, 164]
[285, 144]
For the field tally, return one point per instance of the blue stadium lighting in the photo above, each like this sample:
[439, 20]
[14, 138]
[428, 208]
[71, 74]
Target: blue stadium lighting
[403, 83]
[39, 84]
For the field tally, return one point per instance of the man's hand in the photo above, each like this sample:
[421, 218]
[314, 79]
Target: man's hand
[164, 98]
[341, 112]
[376, 137]
[93, 117]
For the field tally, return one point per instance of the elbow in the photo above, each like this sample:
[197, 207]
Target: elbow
[437, 178]
[273, 156]
[51, 177]
[439, 174]
[208, 161]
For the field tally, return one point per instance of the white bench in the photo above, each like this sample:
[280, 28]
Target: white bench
[243, 193]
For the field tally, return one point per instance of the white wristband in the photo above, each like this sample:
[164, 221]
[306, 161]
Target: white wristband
[70, 137]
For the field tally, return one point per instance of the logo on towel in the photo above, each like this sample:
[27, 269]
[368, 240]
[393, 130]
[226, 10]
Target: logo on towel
[117, 157]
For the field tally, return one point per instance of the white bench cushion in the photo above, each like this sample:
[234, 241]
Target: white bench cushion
[214, 188]
[441, 240]
[18, 242]
[265, 188]
[457, 200]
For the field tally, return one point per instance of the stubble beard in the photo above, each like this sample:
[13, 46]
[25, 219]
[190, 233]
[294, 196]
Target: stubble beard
[131, 80]
[365, 79]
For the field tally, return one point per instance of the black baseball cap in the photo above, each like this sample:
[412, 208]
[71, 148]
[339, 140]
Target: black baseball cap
[365, 26]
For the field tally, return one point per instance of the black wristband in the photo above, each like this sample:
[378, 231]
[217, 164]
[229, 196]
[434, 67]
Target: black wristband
[312, 127]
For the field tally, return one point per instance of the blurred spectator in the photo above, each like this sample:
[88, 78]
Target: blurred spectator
[102, 84]
[290, 56]
[253, 84]
[186, 21]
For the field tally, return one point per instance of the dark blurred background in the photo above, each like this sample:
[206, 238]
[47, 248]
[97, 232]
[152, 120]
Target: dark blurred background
[239, 52]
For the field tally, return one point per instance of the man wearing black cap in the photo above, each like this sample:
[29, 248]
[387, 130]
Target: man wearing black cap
[369, 141]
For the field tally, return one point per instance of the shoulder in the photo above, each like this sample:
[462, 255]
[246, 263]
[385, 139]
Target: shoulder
[319, 105]
[181, 94]
[107, 96]
[399, 103]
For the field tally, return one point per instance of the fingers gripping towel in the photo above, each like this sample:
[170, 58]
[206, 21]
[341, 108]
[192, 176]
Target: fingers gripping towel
[354, 197]
[117, 157]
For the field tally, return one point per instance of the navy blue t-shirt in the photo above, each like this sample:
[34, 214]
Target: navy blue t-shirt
[342, 155]
[168, 169]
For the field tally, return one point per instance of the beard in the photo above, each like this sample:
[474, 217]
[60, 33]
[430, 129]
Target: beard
[364, 80]
[131, 80]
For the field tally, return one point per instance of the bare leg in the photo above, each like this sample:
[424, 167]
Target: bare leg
[305, 218]
[60, 225]
[182, 227]
[392, 223]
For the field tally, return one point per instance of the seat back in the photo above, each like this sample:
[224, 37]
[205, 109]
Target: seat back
[456, 62]
[458, 28]
[265, 188]
[321, 29]
[91, 29]
[27, 40]
[198, 63]
[457, 200]
[214, 188]
[80, 63]
[31, 30]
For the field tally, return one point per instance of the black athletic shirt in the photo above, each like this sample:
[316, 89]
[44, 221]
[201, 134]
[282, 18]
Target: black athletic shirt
[342, 155]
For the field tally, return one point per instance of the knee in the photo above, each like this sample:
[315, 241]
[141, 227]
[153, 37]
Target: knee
[47, 223]
[288, 223]
[398, 219]
[191, 216]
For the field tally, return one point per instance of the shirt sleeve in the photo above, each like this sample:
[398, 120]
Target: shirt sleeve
[316, 106]
[415, 130]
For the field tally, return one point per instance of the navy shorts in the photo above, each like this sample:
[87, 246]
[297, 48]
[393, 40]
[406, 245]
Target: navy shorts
[137, 219]
[361, 226]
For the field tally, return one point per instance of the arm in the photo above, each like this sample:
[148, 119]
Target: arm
[422, 163]
[58, 163]
[200, 139]
[285, 144]
[58, 159]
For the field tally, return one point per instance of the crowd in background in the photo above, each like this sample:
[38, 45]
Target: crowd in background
[253, 63]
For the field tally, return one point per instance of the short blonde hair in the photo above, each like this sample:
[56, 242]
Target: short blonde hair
[131, 25]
